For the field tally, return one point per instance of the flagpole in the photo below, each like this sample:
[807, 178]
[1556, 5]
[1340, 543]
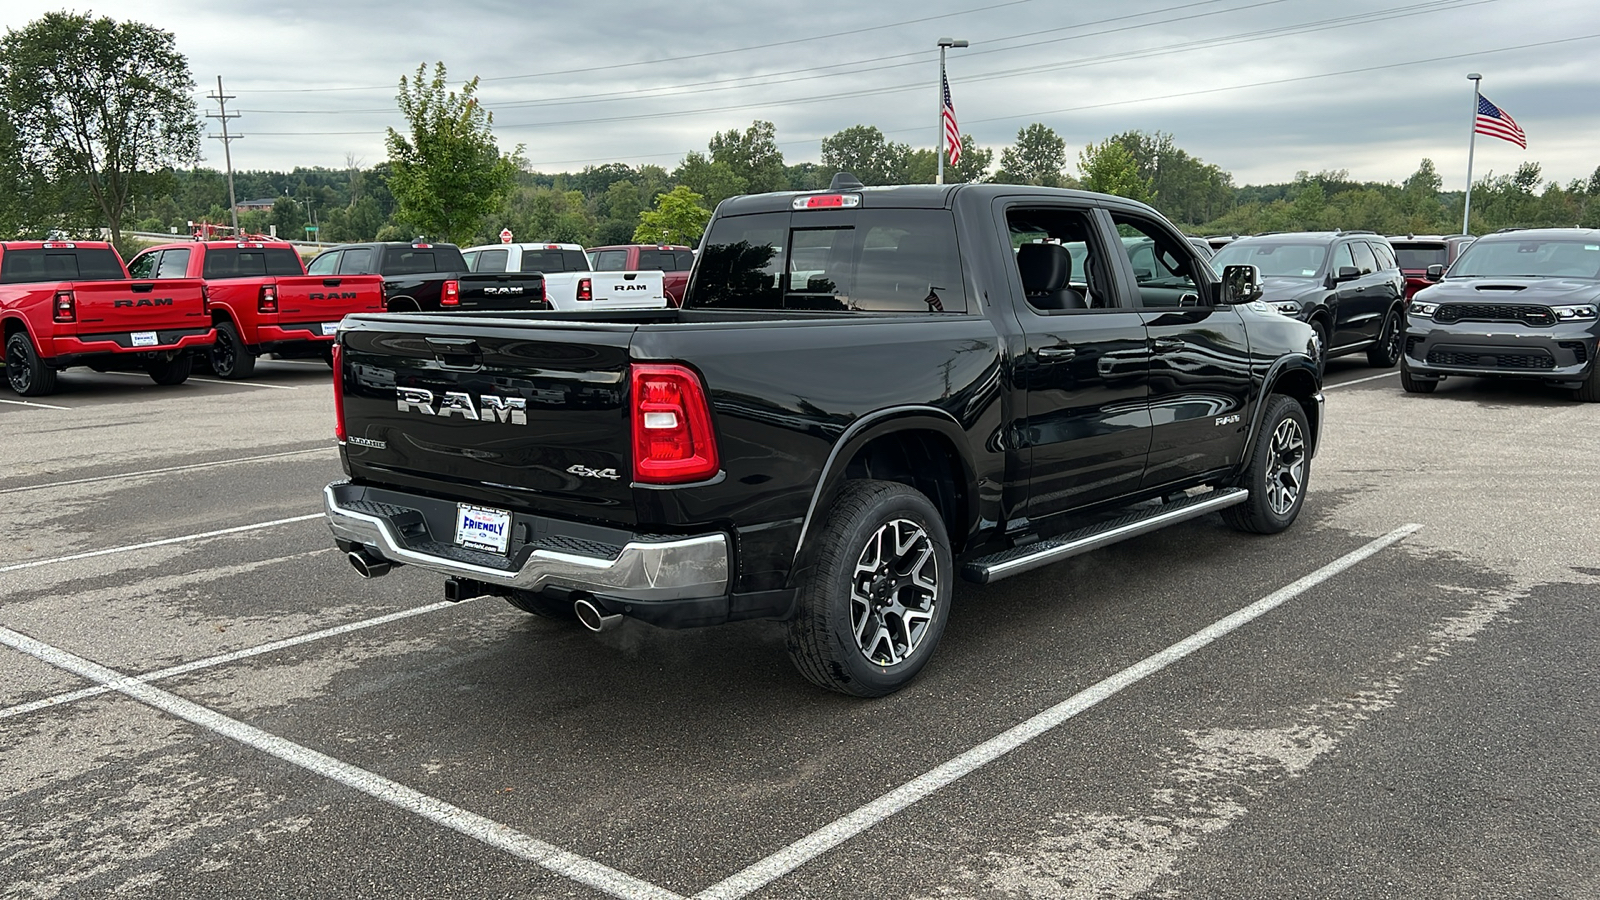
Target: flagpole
[1472, 145]
[939, 154]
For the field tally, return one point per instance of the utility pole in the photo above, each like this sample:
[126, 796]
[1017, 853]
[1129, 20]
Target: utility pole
[227, 155]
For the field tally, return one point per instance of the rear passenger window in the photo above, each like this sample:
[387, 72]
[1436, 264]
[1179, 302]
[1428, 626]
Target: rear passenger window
[174, 263]
[1385, 256]
[326, 264]
[357, 262]
[144, 266]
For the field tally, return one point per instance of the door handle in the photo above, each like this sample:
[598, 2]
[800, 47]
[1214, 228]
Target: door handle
[1167, 344]
[331, 282]
[1059, 352]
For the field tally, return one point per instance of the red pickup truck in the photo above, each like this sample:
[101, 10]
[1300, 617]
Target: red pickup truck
[673, 261]
[71, 303]
[261, 299]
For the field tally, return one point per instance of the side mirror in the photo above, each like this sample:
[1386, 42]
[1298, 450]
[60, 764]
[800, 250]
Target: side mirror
[1346, 273]
[1435, 273]
[1240, 284]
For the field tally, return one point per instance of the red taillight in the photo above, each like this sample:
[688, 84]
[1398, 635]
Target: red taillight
[268, 302]
[673, 441]
[338, 392]
[66, 308]
[585, 289]
[205, 299]
[451, 296]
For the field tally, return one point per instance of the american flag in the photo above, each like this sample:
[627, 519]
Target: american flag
[952, 131]
[1492, 120]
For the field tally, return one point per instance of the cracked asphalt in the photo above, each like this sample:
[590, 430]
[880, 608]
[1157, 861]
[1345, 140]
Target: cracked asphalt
[1421, 723]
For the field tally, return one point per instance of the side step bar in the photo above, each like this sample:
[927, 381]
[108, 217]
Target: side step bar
[995, 566]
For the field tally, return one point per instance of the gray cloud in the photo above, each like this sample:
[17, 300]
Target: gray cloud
[667, 81]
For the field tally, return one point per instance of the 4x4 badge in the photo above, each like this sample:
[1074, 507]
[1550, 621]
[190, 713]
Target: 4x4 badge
[586, 472]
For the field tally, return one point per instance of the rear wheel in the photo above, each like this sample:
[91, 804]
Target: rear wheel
[1320, 333]
[171, 371]
[29, 375]
[541, 605]
[1386, 352]
[229, 356]
[872, 610]
[1413, 384]
[1279, 468]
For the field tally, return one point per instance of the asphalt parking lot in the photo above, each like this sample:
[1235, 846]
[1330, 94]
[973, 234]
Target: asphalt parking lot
[1396, 698]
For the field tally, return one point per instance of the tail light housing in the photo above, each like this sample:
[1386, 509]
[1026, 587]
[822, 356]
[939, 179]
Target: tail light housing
[66, 307]
[338, 392]
[585, 289]
[673, 441]
[205, 299]
[451, 294]
[268, 301]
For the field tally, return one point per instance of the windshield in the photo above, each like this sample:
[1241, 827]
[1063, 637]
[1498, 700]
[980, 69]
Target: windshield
[1275, 259]
[1529, 259]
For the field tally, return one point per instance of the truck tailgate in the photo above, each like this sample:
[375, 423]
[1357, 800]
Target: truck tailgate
[529, 415]
[628, 290]
[126, 308]
[327, 298]
[502, 290]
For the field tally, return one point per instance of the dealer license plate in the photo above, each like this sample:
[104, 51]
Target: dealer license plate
[145, 339]
[329, 328]
[483, 529]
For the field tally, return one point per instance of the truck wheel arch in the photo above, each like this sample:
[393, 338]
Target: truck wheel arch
[1293, 376]
[12, 325]
[916, 446]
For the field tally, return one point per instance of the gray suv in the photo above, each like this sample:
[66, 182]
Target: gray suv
[1516, 304]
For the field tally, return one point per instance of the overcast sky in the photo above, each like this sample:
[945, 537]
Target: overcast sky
[1262, 88]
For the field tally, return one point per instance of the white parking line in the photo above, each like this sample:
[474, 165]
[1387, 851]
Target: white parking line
[161, 543]
[31, 403]
[1329, 387]
[835, 833]
[578, 868]
[162, 471]
[276, 387]
[225, 658]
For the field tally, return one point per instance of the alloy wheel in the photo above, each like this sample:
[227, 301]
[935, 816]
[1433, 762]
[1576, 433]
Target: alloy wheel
[18, 370]
[223, 353]
[1286, 472]
[894, 592]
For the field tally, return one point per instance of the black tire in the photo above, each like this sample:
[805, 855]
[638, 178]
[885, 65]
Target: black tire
[1321, 331]
[1278, 472]
[1414, 385]
[1589, 391]
[542, 606]
[28, 375]
[874, 530]
[171, 371]
[230, 357]
[1386, 352]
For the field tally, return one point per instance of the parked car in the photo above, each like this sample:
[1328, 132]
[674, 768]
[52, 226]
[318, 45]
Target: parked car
[423, 276]
[673, 260]
[1417, 252]
[568, 281]
[71, 303]
[865, 393]
[1345, 284]
[1218, 241]
[1202, 246]
[261, 299]
[1516, 304]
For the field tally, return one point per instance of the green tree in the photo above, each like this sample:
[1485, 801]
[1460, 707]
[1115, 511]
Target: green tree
[680, 217]
[864, 152]
[447, 174]
[95, 103]
[1186, 189]
[752, 155]
[1109, 168]
[922, 165]
[712, 180]
[1037, 158]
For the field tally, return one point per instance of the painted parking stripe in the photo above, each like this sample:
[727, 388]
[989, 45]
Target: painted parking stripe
[276, 387]
[835, 833]
[226, 658]
[161, 543]
[31, 403]
[1329, 387]
[166, 469]
[502, 837]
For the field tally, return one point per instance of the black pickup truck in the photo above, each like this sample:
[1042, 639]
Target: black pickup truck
[426, 277]
[867, 392]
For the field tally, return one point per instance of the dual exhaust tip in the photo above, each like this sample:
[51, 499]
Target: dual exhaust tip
[370, 565]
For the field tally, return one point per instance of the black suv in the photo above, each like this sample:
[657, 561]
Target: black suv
[1346, 285]
[1518, 304]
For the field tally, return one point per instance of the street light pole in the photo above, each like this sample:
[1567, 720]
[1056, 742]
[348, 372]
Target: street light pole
[1472, 144]
[944, 43]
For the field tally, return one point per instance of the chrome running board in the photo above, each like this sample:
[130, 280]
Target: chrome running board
[995, 566]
